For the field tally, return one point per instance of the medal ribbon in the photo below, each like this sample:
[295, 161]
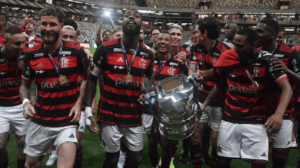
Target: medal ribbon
[249, 75]
[161, 66]
[204, 53]
[128, 67]
[56, 66]
[10, 68]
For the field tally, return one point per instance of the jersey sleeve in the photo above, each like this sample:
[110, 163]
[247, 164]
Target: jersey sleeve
[277, 75]
[28, 74]
[82, 62]
[192, 57]
[99, 61]
[150, 69]
[294, 62]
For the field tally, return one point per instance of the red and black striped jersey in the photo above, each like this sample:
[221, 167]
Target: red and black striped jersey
[244, 104]
[210, 58]
[118, 101]
[55, 101]
[291, 59]
[171, 67]
[9, 89]
[297, 48]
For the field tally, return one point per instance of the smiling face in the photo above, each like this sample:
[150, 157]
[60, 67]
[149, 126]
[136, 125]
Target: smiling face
[132, 23]
[176, 37]
[14, 44]
[163, 43]
[50, 29]
[280, 38]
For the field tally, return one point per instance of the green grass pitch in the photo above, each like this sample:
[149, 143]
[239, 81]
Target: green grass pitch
[94, 155]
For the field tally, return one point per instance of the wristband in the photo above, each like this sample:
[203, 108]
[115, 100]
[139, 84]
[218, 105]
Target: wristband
[25, 101]
[88, 112]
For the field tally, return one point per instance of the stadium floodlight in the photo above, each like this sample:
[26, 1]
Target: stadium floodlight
[107, 13]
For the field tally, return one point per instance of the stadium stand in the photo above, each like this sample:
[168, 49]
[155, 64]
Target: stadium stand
[226, 4]
[259, 4]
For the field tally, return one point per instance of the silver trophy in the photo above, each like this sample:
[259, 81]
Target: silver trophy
[174, 105]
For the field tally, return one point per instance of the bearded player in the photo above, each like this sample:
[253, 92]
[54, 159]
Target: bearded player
[124, 63]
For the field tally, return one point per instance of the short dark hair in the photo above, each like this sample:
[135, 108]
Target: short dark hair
[4, 16]
[166, 32]
[11, 30]
[69, 22]
[155, 29]
[194, 27]
[135, 11]
[211, 25]
[271, 23]
[115, 30]
[281, 29]
[105, 32]
[52, 11]
[251, 35]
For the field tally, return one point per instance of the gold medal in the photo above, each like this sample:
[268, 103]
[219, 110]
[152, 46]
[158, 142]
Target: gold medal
[128, 78]
[255, 85]
[63, 80]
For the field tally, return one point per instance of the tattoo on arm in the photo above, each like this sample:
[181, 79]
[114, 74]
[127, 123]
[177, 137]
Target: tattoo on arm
[192, 69]
[210, 98]
[25, 90]
[33, 88]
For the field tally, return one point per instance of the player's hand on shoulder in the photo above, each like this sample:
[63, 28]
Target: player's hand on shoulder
[28, 110]
[274, 123]
[278, 65]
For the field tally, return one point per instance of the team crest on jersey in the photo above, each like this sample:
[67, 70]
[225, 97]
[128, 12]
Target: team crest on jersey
[256, 72]
[64, 62]
[143, 63]
[214, 60]
[171, 71]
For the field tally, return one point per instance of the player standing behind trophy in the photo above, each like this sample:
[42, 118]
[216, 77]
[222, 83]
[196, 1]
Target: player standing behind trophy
[205, 54]
[165, 66]
[55, 64]
[124, 63]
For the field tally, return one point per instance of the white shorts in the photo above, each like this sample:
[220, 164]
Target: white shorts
[285, 137]
[12, 119]
[147, 123]
[246, 141]
[40, 139]
[81, 126]
[212, 116]
[111, 135]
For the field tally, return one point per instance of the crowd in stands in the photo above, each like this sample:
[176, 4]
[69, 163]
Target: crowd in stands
[152, 3]
[223, 4]
[259, 4]
[190, 3]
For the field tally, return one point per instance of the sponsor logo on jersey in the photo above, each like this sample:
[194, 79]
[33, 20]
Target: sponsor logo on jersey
[120, 60]
[173, 64]
[66, 52]
[64, 62]
[279, 55]
[257, 64]
[155, 61]
[294, 62]
[38, 55]
[194, 58]
[242, 89]
[2, 73]
[142, 63]
[118, 50]
[144, 54]
[122, 81]
[119, 67]
[50, 84]
[7, 83]
[2, 60]
[216, 54]
[39, 71]
[171, 71]
[199, 50]
[233, 75]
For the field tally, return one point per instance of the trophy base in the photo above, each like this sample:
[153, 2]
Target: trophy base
[178, 134]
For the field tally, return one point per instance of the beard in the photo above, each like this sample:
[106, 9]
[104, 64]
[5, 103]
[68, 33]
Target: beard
[52, 39]
[131, 32]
